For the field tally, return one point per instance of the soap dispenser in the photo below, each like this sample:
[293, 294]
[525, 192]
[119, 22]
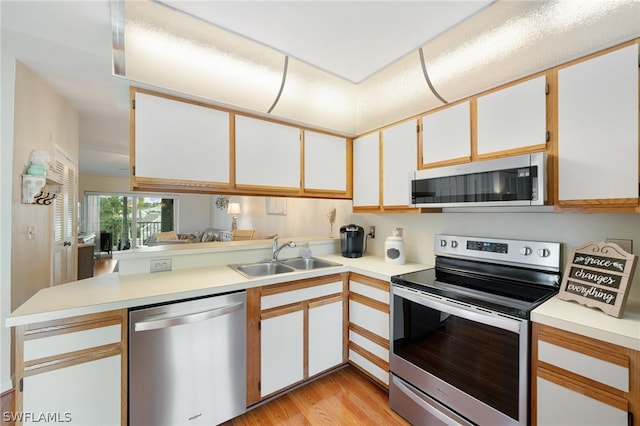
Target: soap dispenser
[306, 251]
[394, 248]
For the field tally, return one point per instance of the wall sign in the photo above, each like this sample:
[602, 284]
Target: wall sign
[599, 275]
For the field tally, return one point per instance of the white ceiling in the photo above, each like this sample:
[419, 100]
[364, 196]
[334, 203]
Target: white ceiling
[69, 44]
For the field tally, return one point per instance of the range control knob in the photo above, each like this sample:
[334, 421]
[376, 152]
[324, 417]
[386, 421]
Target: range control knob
[525, 251]
[544, 252]
[454, 244]
[443, 243]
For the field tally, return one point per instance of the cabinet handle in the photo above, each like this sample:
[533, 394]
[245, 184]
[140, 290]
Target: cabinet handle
[186, 319]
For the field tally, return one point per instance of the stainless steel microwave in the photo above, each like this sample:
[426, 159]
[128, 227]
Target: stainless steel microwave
[509, 181]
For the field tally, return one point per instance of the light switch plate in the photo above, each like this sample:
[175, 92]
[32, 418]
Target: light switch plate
[626, 245]
[160, 265]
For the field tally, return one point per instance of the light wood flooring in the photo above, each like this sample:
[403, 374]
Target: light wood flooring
[344, 397]
[103, 266]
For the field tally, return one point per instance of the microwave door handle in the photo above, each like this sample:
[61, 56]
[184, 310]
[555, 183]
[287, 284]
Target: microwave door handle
[512, 325]
[186, 319]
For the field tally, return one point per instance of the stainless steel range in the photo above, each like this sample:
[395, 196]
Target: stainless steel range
[460, 331]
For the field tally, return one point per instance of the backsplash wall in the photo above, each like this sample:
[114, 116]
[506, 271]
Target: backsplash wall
[570, 229]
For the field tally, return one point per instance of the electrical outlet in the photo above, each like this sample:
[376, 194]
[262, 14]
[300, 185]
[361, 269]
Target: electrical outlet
[372, 232]
[626, 245]
[160, 265]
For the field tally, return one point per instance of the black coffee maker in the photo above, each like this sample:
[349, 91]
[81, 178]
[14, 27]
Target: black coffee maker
[352, 240]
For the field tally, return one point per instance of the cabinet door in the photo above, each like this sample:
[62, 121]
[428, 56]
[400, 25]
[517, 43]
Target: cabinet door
[555, 404]
[83, 394]
[281, 352]
[178, 140]
[325, 336]
[325, 162]
[267, 154]
[513, 118]
[399, 158]
[446, 135]
[366, 171]
[598, 128]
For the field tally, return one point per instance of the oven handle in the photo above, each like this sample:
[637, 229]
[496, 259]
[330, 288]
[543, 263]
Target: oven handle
[423, 401]
[504, 323]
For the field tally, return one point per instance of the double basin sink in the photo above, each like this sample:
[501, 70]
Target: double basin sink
[272, 267]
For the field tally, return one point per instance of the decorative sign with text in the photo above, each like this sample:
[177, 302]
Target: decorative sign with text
[599, 275]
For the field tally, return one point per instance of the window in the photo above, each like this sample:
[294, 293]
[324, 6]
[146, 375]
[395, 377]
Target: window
[123, 221]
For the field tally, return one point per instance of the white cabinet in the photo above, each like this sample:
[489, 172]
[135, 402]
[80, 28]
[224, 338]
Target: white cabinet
[513, 118]
[582, 381]
[598, 129]
[179, 140]
[295, 331]
[366, 171]
[282, 351]
[399, 159]
[369, 326]
[446, 135]
[267, 154]
[74, 370]
[325, 162]
[325, 335]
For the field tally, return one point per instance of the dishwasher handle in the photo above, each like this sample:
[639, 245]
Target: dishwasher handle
[186, 319]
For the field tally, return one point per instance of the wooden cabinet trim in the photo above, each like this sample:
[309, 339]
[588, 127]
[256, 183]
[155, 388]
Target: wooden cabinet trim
[325, 300]
[68, 359]
[74, 324]
[372, 282]
[299, 284]
[582, 386]
[282, 310]
[382, 307]
[253, 344]
[382, 364]
[369, 335]
[584, 345]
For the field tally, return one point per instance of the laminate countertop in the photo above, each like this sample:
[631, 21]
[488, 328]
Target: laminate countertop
[115, 291]
[591, 322]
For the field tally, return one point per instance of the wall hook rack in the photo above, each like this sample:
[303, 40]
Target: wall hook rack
[39, 190]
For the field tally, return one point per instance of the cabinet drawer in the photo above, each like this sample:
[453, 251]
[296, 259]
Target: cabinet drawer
[369, 318]
[294, 296]
[556, 407]
[370, 346]
[591, 367]
[69, 342]
[369, 291]
[375, 371]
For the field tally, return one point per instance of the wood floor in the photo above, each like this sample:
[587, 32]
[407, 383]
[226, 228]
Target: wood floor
[104, 266]
[344, 397]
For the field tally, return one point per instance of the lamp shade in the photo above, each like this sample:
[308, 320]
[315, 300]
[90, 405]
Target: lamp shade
[233, 208]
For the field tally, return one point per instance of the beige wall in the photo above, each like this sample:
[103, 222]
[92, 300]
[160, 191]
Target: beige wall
[42, 119]
[570, 229]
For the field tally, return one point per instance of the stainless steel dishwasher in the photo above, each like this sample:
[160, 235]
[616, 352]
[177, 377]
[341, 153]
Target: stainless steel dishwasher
[187, 361]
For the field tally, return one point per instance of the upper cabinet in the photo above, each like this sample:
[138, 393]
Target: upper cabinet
[512, 119]
[176, 142]
[399, 159]
[326, 159]
[598, 130]
[366, 173]
[267, 155]
[446, 136]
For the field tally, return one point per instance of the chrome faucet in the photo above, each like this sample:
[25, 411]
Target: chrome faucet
[275, 249]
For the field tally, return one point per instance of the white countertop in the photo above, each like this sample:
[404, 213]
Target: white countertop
[591, 322]
[114, 291]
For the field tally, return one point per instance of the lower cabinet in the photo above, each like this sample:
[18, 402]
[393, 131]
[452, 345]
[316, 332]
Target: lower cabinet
[73, 371]
[369, 327]
[582, 381]
[295, 331]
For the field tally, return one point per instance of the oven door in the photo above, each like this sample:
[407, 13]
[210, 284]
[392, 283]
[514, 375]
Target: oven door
[468, 359]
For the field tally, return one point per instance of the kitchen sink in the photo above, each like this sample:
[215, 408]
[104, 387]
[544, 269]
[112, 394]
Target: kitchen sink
[261, 269]
[266, 268]
[308, 263]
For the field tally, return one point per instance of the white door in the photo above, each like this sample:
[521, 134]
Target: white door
[64, 251]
